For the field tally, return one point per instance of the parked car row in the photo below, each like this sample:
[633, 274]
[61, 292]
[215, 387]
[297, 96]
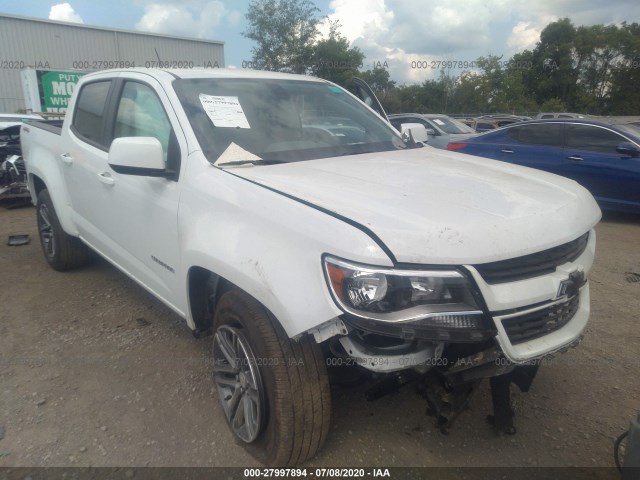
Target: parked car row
[601, 156]
[485, 123]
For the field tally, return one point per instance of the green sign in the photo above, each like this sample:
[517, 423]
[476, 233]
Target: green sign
[57, 88]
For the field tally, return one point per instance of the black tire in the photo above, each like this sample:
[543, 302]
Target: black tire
[295, 406]
[62, 251]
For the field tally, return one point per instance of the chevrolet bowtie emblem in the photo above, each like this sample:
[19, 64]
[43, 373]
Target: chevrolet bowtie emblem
[571, 285]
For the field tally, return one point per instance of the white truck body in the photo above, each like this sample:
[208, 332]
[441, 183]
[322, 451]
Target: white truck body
[267, 228]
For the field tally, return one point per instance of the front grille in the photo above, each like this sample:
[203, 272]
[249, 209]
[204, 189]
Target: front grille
[537, 324]
[532, 265]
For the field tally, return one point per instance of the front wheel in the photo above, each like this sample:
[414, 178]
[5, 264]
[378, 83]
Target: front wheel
[274, 391]
[62, 251]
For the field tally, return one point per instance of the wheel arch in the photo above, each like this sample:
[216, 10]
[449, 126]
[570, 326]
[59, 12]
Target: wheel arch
[59, 196]
[37, 185]
[204, 289]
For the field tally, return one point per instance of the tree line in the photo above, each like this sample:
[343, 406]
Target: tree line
[588, 69]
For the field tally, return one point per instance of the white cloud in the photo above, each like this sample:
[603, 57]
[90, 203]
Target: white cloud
[359, 18]
[234, 17]
[403, 31]
[65, 13]
[190, 19]
[524, 36]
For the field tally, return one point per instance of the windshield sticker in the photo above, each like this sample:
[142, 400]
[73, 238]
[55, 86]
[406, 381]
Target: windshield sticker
[438, 121]
[235, 154]
[335, 89]
[224, 111]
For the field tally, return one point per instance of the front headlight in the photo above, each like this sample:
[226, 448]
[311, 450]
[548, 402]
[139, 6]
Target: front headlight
[427, 298]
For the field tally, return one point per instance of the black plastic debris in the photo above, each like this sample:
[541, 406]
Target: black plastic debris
[18, 240]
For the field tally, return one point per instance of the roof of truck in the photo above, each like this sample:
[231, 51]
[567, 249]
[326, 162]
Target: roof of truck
[213, 73]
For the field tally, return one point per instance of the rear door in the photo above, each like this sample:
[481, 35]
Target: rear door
[536, 145]
[85, 148]
[592, 160]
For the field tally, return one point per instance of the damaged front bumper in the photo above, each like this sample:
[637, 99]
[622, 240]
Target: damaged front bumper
[521, 336]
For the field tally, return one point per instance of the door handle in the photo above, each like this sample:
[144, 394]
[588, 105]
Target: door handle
[66, 158]
[506, 150]
[106, 178]
[576, 158]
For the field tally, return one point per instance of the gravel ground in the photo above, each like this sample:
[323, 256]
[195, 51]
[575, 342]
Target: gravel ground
[95, 372]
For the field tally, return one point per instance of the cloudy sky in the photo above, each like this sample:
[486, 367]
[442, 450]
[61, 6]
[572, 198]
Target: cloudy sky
[397, 32]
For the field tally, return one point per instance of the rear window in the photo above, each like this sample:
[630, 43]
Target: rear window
[549, 134]
[87, 120]
[450, 125]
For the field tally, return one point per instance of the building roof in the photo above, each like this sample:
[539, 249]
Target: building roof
[108, 29]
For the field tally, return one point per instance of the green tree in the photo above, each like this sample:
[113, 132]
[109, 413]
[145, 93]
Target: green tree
[623, 97]
[468, 97]
[378, 79]
[554, 62]
[334, 60]
[554, 105]
[284, 31]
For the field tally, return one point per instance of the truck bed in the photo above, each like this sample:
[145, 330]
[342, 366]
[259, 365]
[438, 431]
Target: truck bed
[53, 126]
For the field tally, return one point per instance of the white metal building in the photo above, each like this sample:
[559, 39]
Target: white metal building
[31, 43]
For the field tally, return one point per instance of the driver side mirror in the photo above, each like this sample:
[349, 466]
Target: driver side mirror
[629, 149]
[431, 132]
[414, 131]
[141, 156]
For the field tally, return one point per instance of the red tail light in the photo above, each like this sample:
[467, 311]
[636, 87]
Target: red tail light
[456, 146]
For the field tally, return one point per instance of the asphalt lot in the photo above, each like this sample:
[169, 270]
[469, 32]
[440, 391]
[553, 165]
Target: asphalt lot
[95, 371]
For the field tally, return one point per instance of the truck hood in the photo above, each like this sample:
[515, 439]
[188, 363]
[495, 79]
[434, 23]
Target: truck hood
[436, 207]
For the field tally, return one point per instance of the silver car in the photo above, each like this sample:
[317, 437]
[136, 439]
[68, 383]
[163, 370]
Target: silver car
[441, 128]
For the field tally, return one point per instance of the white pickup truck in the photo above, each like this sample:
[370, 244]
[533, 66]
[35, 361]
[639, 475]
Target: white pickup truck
[285, 217]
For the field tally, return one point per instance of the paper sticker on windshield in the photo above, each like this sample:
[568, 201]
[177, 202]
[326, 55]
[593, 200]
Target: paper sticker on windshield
[438, 121]
[335, 89]
[224, 111]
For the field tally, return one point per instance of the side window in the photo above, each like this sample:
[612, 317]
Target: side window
[547, 116]
[88, 115]
[428, 125]
[485, 126]
[549, 134]
[596, 139]
[140, 114]
[514, 133]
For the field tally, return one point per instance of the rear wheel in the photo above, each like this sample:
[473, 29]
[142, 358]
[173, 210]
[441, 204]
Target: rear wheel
[62, 251]
[274, 391]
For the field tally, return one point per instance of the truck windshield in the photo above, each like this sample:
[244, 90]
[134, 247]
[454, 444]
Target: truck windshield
[278, 121]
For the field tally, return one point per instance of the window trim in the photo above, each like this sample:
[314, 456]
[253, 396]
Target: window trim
[97, 144]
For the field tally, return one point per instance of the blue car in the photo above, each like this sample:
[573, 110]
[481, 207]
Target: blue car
[602, 157]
